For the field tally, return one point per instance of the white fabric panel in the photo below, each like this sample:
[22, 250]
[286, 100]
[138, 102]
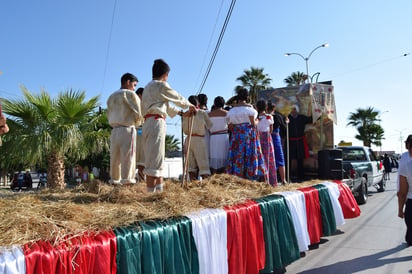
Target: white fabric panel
[297, 207]
[334, 194]
[12, 260]
[210, 234]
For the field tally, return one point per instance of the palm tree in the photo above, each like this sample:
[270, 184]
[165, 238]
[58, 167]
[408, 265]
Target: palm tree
[364, 120]
[254, 80]
[171, 143]
[49, 130]
[296, 79]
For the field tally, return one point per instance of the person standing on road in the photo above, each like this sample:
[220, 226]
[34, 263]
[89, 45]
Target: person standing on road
[156, 100]
[124, 115]
[387, 166]
[405, 157]
[405, 192]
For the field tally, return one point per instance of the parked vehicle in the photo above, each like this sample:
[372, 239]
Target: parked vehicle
[367, 166]
[356, 183]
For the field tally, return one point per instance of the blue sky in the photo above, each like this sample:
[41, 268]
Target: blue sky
[58, 45]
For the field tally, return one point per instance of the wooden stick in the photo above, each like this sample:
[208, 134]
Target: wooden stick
[186, 164]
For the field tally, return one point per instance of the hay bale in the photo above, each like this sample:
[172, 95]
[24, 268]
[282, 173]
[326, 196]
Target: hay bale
[96, 206]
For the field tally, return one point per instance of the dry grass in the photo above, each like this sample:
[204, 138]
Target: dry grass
[56, 215]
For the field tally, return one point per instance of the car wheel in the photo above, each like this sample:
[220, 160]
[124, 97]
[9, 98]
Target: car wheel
[382, 185]
[362, 192]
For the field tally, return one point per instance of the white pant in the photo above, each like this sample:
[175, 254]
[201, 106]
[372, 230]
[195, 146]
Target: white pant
[123, 155]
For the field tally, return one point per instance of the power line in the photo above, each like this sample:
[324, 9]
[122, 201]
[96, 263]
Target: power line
[371, 65]
[210, 40]
[222, 32]
[108, 44]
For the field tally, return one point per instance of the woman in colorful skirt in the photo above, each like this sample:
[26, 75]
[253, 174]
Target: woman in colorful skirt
[264, 128]
[279, 125]
[245, 158]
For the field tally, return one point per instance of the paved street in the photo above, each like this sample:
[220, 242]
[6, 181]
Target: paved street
[372, 243]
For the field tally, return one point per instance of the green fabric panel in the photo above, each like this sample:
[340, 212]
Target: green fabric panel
[152, 247]
[326, 210]
[169, 247]
[272, 248]
[129, 252]
[189, 251]
[281, 243]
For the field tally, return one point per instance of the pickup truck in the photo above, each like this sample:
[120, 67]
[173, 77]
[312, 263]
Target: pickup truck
[365, 170]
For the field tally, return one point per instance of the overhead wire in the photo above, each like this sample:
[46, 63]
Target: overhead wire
[371, 65]
[108, 45]
[222, 32]
[210, 40]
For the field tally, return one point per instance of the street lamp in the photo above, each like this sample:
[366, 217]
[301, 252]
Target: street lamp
[401, 138]
[306, 59]
[379, 121]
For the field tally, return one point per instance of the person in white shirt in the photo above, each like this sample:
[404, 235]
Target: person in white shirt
[124, 115]
[265, 128]
[405, 157]
[245, 158]
[219, 137]
[405, 192]
[196, 127]
[156, 100]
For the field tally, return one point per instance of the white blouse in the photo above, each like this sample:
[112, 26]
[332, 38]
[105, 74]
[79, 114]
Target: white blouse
[241, 114]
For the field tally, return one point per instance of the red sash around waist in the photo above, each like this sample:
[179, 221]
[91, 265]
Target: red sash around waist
[305, 144]
[156, 116]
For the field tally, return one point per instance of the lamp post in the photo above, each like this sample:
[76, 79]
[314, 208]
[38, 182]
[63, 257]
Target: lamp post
[401, 138]
[306, 59]
[379, 121]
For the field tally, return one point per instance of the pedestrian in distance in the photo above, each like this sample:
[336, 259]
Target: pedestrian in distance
[387, 165]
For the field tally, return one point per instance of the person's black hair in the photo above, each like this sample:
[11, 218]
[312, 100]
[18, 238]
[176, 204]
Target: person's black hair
[242, 94]
[139, 91]
[159, 68]
[219, 102]
[193, 100]
[270, 106]
[128, 76]
[202, 99]
[261, 106]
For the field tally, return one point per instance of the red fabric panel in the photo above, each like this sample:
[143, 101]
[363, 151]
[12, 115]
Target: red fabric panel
[348, 203]
[84, 254]
[245, 240]
[313, 214]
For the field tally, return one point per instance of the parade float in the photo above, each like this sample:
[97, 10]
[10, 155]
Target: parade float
[221, 225]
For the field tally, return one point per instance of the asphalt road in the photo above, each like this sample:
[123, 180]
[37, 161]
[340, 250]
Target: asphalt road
[371, 243]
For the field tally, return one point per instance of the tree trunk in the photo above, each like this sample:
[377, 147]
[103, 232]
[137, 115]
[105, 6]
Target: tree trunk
[55, 171]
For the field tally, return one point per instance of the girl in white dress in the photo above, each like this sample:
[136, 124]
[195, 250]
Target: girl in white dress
[219, 137]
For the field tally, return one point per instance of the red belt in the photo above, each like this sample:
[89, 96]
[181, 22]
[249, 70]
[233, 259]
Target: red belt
[305, 144]
[197, 135]
[156, 116]
[219, 132]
